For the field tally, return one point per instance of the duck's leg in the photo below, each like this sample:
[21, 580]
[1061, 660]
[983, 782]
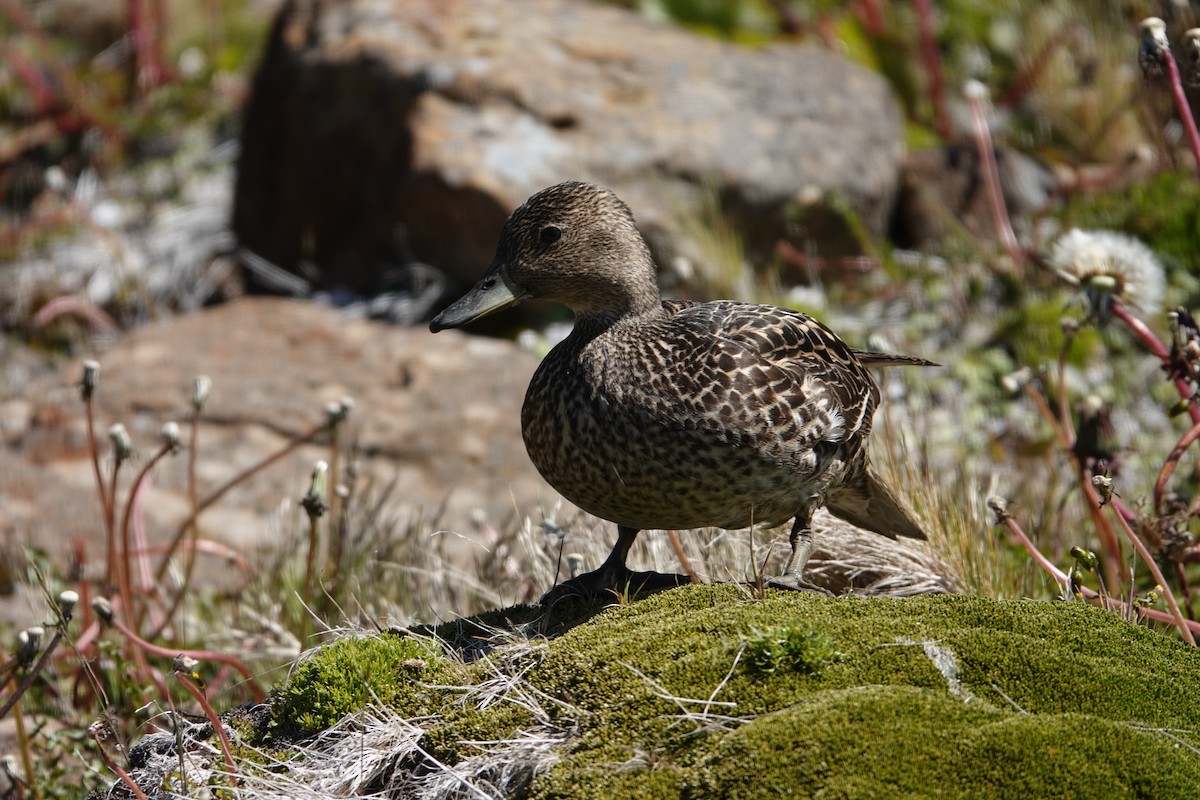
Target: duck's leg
[801, 541]
[613, 577]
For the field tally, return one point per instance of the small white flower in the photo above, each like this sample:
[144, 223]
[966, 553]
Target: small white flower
[1106, 264]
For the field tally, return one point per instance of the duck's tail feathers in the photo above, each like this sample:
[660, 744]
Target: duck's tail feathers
[869, 504]
[871, 358]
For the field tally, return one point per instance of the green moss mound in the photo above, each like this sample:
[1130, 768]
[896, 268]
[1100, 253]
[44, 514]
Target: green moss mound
[352, 673]
[949, 697]
[901, 741]
[954, 697]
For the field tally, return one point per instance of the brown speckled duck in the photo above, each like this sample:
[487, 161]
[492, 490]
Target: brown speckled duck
[661, 415]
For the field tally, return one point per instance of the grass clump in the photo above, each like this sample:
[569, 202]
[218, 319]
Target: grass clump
[798, 647]
[353, 673]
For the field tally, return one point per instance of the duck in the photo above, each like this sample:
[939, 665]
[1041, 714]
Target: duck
[670, 415]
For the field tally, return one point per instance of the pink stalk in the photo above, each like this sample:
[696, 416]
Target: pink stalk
[208, 655]
[1181, 104]
[975, 94]
[129, 782]
[1112, 602]
[933, 66]
[1168, 467]
[68, 304]
[1155, 54]
[1156, 346]
[1144, 552]
[181, 670]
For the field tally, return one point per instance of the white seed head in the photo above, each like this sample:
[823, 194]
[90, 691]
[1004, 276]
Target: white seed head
[1015, 381]
[337, 410]
[1153, 49]
[1154, 29]
[103, 609]
[122, 444]
[320, 475]
[1110, 264]
[201, 385]
[185, 663]
[998, 506]
[67, 601]
[169, 433]
[1104, 486]
[1190, 57]
[91, 377]
[974, 90]
[29, 643]
[56, 179]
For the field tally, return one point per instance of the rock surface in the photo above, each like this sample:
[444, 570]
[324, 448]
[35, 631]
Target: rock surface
[433, 120]
[439, 414]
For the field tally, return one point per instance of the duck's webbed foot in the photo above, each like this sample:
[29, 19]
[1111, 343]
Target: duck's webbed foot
[801, 541]
[797, 583]
[613, 579]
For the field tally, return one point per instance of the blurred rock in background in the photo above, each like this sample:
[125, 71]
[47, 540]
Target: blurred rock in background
[388, 132]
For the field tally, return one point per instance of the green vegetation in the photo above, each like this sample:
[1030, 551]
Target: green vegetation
[352, 673]
[796, 647]
[976, 697]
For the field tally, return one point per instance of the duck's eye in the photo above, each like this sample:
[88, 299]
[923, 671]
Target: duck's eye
[550, 234]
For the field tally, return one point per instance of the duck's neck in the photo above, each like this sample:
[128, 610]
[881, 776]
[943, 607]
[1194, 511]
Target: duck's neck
[593, 322]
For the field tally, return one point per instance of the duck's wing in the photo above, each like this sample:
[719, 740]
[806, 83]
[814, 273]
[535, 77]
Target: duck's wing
[796, 379]
[769, 371]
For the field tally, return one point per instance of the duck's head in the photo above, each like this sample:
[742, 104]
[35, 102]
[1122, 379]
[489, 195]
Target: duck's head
[574, 243]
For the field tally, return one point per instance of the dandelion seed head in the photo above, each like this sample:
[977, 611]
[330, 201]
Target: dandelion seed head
[1106, 264]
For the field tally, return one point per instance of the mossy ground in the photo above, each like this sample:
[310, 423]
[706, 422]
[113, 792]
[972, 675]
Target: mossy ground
[938, 697]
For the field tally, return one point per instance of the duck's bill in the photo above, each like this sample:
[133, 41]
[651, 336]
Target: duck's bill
[494, 292]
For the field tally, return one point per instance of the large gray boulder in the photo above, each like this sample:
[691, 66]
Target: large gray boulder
[395, 131]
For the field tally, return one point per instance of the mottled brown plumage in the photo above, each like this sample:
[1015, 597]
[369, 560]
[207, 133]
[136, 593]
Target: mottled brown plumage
[672, 414]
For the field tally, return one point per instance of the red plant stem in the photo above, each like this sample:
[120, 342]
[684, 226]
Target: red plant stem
[872, 16]
[146, 76]
[124, 575]
[1156, 346]
[932, 62]
[200, 655]
[28, 680]
[110, 521]
[1061, 578]
[194, 690]
[1026, 78]
[681, 554]
[220, 491]
[83, 113]
[991, 178]
[195, 544]
[1108, 536]
[1144, 552]
[122, 774]
[23, 67]
[1031, 548]
[1182, 106]
[69, 304]
[105, 500]
[1168, 467]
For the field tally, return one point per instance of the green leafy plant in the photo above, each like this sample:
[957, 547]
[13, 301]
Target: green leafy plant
[797, 647]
